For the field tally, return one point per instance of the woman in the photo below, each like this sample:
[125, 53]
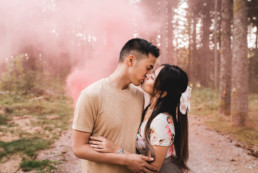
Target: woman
[163, 133]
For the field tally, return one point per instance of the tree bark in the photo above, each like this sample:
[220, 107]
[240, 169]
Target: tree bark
[205, 61]
[167, 47]
[163, 41]
[194, 55]
[189, 32]
[170, 46]
[215, 46]
[256, 54]
[226, 58]
[239, 99]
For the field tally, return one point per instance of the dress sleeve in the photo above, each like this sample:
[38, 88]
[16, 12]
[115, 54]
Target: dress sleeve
[162, 131]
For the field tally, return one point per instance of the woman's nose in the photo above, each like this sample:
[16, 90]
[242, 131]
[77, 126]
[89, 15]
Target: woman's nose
[147, 76]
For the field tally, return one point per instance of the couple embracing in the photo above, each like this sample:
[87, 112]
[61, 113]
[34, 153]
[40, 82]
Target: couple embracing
[114, 133]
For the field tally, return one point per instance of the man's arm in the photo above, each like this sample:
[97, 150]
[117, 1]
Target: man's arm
[134, 162]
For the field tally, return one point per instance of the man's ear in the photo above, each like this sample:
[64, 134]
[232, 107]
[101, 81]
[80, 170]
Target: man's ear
[131, 60]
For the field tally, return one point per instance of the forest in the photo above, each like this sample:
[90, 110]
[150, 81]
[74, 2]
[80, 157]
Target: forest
[50, 50]
[216, 42]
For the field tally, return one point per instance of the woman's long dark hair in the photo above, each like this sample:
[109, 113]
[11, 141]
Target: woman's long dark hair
[172, 80]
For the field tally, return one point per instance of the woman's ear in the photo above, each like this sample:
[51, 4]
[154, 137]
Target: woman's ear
[164, 94]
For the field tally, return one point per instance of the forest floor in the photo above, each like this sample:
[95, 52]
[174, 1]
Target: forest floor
[209, 152]
[35, 136]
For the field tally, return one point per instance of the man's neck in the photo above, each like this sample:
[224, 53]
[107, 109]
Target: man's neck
[119, 78]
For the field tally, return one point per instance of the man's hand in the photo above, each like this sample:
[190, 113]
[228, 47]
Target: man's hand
[139, 164]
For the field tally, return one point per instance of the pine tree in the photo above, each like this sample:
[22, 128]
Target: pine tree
[239, 98]
[226, 57]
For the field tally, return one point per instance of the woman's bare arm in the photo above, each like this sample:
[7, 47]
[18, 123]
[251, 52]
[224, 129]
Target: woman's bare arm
[160, 155]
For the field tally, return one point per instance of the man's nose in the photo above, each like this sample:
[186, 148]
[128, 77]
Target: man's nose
[149, 72]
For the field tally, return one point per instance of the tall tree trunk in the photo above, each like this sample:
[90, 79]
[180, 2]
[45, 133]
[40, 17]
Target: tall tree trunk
[239, 99]
[256, 54]
[194, 55]
[219, 41]
[167, 48]
[163, 44]
[189, 32]
[226, 58]
[205, 62]
[170, 47]
[215, 46]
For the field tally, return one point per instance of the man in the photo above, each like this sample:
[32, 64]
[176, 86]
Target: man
[112, 108]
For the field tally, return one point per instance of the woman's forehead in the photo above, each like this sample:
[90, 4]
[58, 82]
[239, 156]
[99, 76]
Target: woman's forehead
[158, 69]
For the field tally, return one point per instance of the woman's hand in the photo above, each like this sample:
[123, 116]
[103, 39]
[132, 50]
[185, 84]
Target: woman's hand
[103, 145]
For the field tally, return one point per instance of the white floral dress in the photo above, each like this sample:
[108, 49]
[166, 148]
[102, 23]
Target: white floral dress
[162, 134]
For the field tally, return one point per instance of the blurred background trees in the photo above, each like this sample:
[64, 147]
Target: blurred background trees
[216, 42]
[220, 45]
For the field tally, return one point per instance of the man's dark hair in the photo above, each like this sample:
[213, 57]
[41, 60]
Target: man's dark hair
[140, 45]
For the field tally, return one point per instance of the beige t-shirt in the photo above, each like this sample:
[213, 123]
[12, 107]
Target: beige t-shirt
[115, 114]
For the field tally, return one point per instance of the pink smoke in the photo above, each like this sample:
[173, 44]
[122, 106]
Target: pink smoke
[90, 32]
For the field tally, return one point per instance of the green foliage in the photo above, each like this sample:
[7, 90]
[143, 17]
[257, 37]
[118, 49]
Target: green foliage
[28, 165]
[26, 146]
[3, 119]
[19, 78]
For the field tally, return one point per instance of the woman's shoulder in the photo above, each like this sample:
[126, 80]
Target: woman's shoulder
[163, 116]
[162, 130]
[162, 119]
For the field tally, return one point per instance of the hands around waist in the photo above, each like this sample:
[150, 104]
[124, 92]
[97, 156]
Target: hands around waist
[103, 145]
[134, 162]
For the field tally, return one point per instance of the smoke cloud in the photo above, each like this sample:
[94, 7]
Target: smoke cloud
[90, 33]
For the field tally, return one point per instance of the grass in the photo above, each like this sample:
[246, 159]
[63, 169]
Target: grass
[204, 104]
[25, 146]
[37, 109]
[28, 165]
[3, 119]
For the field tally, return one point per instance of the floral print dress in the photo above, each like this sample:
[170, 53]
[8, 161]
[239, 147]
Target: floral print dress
[162, 134]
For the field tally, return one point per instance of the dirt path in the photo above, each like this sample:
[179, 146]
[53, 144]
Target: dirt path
[209, 152]
[62, 152]
[213, 152]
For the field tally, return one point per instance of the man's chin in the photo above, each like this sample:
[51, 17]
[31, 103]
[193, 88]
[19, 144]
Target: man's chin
[138, 83]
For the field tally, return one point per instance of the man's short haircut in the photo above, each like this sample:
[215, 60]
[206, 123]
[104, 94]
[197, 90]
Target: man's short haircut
[139, 45]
